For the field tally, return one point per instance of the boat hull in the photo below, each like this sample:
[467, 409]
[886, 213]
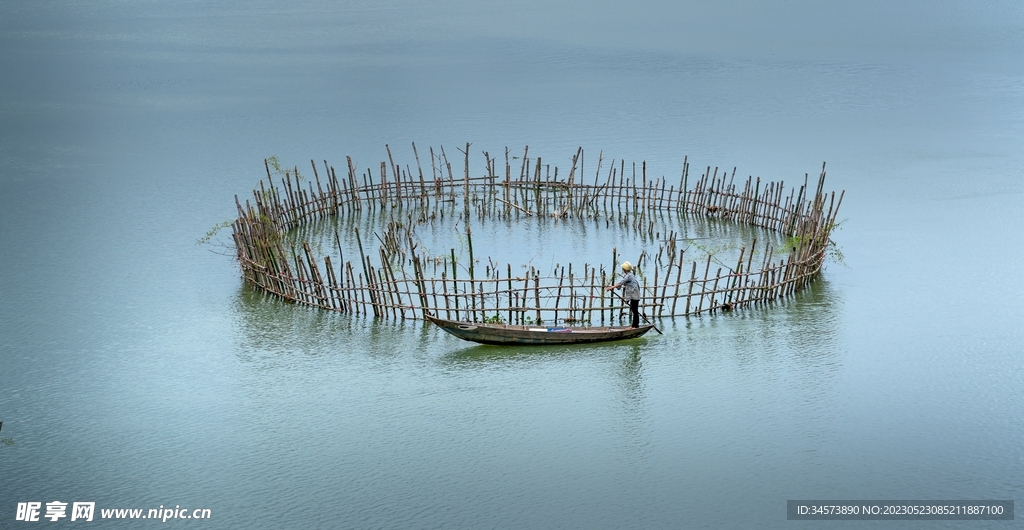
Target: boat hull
[506, 335]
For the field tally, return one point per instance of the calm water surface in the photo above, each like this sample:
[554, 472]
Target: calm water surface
[137, 371]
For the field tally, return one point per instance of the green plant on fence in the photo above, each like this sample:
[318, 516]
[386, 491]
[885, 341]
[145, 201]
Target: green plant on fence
[273, 235]
[269, 195]
[274, 162]
[529, 321]
[791, 244]
[213, 231]
[496, 319]
[832, 252]
[275, 165]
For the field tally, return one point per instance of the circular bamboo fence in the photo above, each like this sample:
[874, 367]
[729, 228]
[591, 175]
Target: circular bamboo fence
[392, 281]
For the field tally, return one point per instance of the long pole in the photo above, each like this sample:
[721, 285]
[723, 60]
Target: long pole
[641, 313]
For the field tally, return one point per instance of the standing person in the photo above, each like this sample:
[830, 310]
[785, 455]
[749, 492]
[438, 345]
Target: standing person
[630, 292]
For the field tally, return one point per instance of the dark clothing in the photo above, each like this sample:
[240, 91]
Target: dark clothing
[634, 312]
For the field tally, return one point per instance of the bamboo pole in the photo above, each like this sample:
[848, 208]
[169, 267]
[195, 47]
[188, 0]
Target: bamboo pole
[536, 290]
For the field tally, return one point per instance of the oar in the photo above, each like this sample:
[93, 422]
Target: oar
[641, 313]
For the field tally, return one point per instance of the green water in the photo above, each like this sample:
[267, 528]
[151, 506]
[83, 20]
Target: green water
[136, 369]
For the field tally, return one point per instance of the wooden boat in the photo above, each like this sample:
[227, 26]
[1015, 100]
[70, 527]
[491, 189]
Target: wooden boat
[504, 334]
